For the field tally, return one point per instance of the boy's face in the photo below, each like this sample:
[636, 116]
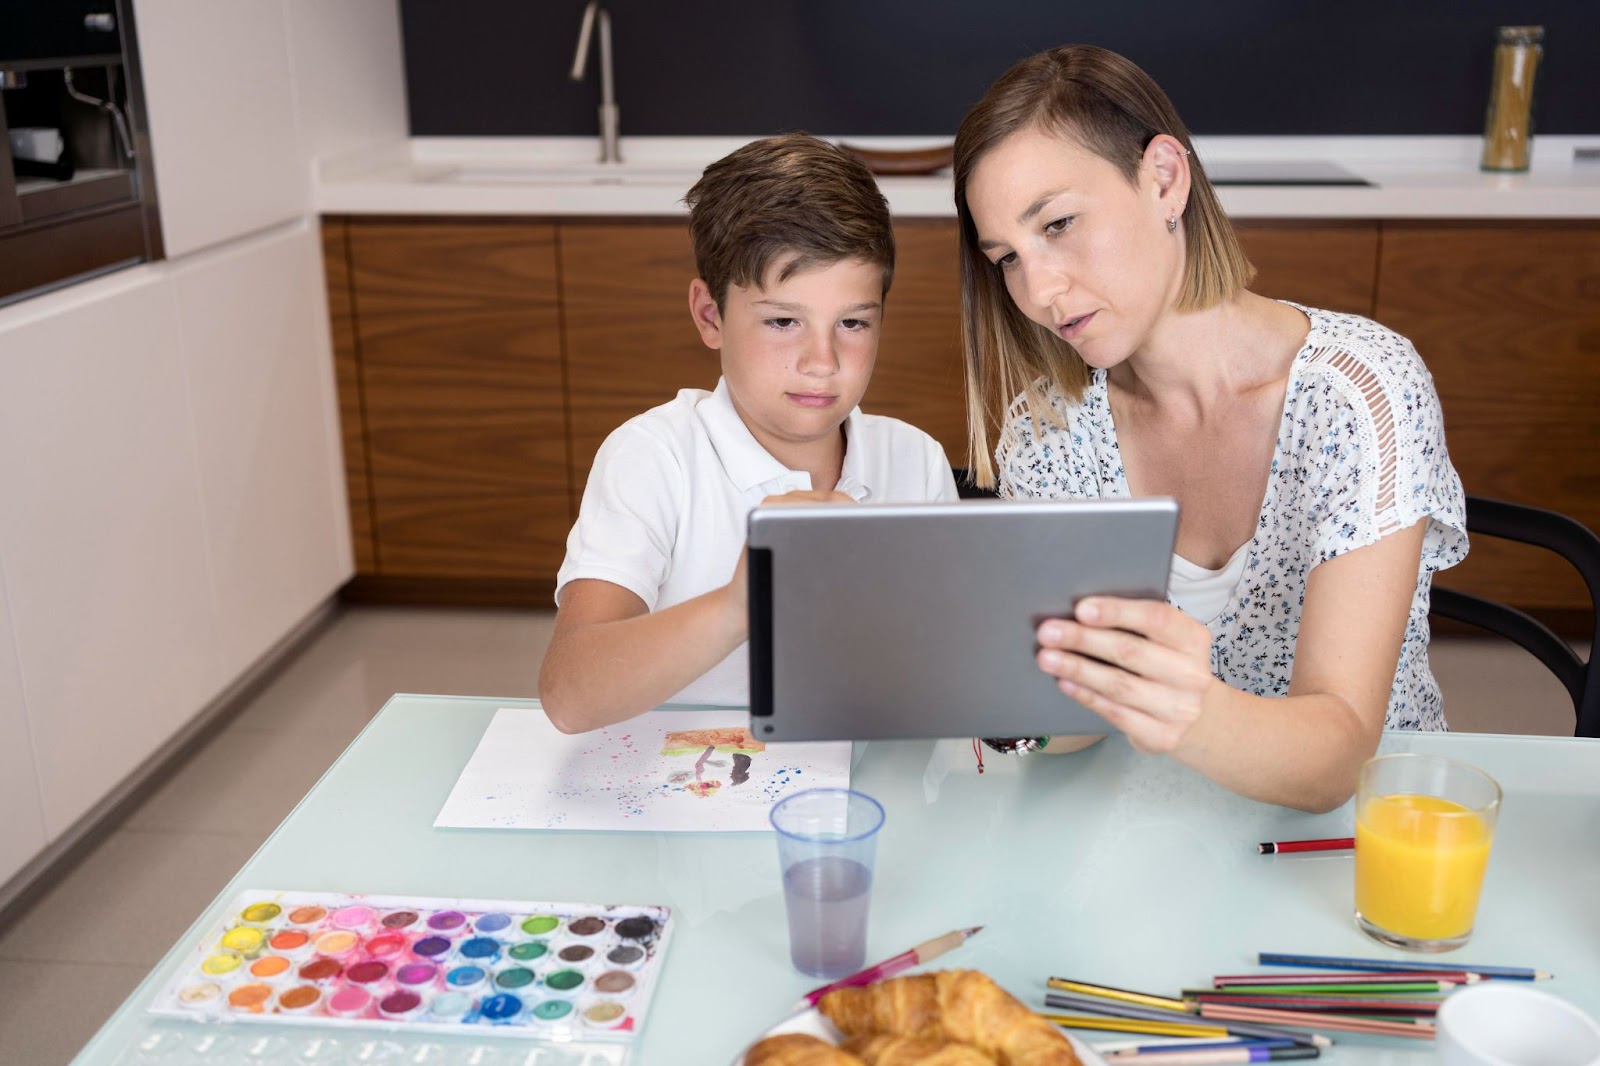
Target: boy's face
[797, 354]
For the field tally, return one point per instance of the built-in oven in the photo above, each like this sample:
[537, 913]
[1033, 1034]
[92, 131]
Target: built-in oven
[77, 189]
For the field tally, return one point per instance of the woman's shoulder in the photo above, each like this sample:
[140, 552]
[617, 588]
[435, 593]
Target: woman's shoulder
[1055, 411]
[1340, 338]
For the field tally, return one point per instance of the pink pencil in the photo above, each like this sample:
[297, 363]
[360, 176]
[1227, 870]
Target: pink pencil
[903, 961]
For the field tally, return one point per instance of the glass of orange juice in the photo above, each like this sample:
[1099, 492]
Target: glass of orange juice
[1424, 825]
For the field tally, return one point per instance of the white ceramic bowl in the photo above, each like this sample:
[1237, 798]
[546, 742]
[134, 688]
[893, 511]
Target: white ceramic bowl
[1506, 1023]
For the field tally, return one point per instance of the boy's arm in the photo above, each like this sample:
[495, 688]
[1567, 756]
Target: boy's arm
[610, 659]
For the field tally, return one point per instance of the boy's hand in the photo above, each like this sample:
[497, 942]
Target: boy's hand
[737, 590]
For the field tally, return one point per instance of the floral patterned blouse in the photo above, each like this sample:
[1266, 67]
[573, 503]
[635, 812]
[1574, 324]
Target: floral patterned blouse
[1360, 454]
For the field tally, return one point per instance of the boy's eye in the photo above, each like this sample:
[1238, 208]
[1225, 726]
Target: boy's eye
[855, 324]
[782, 323]
[1060, 225]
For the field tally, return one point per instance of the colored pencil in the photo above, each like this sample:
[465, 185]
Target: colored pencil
[1124, 1010]
[1139, 999]
[1344, 977]
[1280, 847]
[1334, 962]
[1220, 1057]
[1131, 1047]
[1366, 989]
[918, 955]
[1339, 1004]
[1133, 1025]
[1306, 1019]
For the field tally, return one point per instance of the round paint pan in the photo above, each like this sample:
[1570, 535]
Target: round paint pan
[243, 940]
[222, 967]
[357, 919]
[299, 999]
[310, 914]
[349, 1002]
[270, 968]
[528, 950]
[577, 956]
[492, 924]
[539, 924]
[260, 913]
[616, 984]
[586, 927]
[417, 975]
[564, 982]
[400, 1004]
[626, 956]
[480, 950]
[197, 995]
[399, 920]
[320, 970]
[252, 997]
[501, 1009]
[431, 948]
[513, 979]
[466, 977]
[450, 1006]
[552, 1010]
[637, 927]
[291, 943]
[604, 1014]
[367, 972]
[446, 921]
[385, 945]
[336, 943]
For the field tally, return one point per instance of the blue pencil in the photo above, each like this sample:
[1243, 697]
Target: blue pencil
[1333, 962]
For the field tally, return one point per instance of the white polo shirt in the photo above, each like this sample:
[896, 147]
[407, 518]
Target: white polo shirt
[665, 511]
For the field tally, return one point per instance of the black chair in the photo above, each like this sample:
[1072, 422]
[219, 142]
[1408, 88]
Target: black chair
[1571, 540]
[966, 489]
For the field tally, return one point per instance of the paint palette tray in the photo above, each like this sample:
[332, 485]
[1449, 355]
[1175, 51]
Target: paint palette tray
[554, 971]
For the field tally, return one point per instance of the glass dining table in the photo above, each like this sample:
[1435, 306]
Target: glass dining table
[1105, 866]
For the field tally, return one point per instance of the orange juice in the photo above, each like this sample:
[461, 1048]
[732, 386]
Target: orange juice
[1419, 865]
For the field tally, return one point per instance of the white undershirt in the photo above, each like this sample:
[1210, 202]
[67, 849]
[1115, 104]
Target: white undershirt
[1204, 594]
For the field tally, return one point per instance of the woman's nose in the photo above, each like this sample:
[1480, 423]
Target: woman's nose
[1044, 285]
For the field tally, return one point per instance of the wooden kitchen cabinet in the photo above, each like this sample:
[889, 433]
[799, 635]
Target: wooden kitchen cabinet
[457, 338]
[1507, 317]
[1331, 265]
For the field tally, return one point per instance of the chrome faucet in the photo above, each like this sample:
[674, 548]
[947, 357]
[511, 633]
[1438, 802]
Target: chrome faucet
[610, 150]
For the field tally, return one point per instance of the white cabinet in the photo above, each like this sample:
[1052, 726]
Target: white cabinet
[260, 373]
[101, 532]
[21, 816]
[220, 97]
[349, 74]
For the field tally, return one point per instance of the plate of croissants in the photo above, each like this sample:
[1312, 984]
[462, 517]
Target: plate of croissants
[947, 1018]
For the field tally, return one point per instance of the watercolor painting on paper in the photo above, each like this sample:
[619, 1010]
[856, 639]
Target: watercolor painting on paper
[664, 770]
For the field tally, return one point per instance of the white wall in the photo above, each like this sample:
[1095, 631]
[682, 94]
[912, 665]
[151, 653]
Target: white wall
[171, 486]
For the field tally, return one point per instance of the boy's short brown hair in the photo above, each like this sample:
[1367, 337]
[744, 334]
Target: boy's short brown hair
[793, 195]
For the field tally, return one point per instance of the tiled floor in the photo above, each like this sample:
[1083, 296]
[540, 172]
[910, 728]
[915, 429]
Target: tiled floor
[148, 878]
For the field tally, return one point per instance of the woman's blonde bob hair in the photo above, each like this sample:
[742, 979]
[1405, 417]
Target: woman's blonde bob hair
[1104, 102]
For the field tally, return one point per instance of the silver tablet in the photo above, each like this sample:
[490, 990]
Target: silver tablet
[885, 621]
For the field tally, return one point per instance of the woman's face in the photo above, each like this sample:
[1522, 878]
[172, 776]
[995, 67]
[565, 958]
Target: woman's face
[1083, 252]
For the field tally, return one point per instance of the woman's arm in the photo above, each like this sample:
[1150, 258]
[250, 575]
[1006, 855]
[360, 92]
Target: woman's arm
[1145, 667]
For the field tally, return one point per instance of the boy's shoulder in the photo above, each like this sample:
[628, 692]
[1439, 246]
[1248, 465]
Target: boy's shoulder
[668, 424]
[885, 433]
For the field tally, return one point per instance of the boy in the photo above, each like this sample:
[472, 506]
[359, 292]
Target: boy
[795, 253]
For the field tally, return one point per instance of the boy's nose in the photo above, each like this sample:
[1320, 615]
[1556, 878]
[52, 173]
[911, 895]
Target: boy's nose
[819, 359]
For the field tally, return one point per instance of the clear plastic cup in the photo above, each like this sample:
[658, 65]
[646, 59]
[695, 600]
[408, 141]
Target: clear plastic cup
[827, 840]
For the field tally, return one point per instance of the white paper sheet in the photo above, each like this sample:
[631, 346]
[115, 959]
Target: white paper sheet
[663, 770]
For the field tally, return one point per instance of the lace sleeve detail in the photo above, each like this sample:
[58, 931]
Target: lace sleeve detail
[1048, 458]
[1379, 451]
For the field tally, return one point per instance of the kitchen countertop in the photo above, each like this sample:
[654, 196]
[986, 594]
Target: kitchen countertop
[1411, 177]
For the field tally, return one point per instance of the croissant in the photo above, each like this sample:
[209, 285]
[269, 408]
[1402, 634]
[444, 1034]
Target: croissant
[881, 1049]
[964, 1006]
[797, 1049]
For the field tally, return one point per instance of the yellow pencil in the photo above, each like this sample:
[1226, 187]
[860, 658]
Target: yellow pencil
[1132, 1025]
[1107, 992]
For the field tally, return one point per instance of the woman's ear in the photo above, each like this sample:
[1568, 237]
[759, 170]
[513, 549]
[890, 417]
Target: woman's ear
[1166, 160]
[707, 318]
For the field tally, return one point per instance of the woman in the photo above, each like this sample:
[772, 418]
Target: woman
[1104, 301]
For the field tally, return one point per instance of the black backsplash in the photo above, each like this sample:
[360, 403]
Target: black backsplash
[864, 67]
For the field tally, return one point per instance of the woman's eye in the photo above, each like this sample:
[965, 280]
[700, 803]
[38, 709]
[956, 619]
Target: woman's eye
[1007, 261]
[1060, 225]
[781, 323]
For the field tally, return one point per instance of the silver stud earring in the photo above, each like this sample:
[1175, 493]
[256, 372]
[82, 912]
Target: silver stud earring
[1172, 224]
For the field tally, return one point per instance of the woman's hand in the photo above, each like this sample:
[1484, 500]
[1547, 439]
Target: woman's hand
[1142, 665]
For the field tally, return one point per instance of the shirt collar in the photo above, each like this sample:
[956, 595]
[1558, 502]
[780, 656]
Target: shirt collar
[749, 465]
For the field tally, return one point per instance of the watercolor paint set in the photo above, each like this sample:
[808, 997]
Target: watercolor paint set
[553, 971]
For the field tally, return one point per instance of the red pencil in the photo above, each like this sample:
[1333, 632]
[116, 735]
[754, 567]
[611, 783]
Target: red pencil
[903, 961]
[1277, 847]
